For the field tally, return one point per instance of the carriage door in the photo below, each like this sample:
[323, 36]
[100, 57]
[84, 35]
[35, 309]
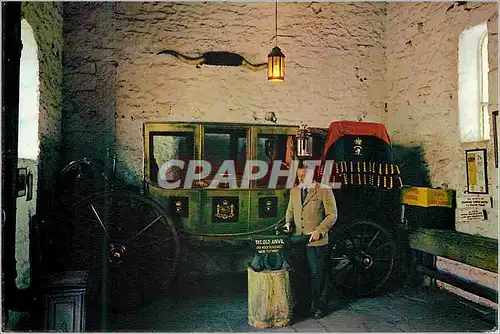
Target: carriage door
[167, 142]
[225, 205]
[273, 145]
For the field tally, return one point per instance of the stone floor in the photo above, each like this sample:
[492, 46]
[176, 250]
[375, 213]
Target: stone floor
[220, 305]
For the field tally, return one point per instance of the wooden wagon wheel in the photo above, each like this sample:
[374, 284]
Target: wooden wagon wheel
[362, 256]
[77, 180]
[127, 244]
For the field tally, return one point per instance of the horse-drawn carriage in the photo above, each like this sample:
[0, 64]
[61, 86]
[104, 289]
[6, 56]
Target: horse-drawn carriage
[127, 236]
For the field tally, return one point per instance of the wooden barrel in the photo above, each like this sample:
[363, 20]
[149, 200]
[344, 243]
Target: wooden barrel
[269, 298]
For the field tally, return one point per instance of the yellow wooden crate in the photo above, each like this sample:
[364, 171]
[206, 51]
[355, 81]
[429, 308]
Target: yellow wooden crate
[427, 197]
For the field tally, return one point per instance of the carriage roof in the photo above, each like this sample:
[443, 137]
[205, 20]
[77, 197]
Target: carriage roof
[344, 128]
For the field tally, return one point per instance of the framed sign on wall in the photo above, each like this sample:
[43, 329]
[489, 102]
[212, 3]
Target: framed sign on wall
[477, 176]
[21, 181]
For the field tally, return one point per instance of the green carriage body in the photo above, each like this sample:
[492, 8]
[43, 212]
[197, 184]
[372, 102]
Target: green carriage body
[256, 209]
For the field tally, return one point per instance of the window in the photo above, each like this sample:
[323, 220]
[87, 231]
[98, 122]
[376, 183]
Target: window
[271, 148]
[168, 146]
[473, 84]
[29, 92]
[483, 91]
[225, 144]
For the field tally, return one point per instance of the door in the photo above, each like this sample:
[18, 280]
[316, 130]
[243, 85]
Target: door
[164, 142]
[273, 145]
[225, 205]
[28, 150]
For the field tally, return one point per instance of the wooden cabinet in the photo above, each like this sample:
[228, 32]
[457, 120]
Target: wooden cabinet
[64, 301]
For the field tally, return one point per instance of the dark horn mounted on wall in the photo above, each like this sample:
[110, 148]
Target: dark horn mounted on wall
[216, 58]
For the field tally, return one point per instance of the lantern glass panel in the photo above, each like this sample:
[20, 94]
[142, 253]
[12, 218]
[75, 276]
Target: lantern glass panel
[276, 68]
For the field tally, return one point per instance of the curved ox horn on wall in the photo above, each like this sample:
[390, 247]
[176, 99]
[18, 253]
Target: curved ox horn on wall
[216, 58]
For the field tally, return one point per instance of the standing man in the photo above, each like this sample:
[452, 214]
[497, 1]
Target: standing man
[314, 211]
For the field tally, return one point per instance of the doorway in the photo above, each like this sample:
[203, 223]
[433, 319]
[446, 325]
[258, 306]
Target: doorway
[28, 150]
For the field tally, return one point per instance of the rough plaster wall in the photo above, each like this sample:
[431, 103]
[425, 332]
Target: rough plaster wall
[422, 72]
[89, 78]
[334, 69]
[46, 20]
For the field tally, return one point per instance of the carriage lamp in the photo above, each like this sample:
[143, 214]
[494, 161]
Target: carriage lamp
[276, 59]
[304, 142]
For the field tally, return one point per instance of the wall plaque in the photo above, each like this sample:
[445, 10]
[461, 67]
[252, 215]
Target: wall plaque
[473, 201]
[477, 177]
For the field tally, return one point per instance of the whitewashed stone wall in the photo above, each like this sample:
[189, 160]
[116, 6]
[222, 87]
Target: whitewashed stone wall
[422, 74]
[89, 80]
[334, 70]
[46, 20]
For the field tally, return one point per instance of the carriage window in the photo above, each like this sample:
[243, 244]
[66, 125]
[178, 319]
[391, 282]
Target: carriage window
[170, 146]
[271, 148]
[225, 144]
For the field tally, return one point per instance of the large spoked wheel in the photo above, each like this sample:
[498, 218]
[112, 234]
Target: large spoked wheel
[78, 180]
[127, 244]
[362, 256]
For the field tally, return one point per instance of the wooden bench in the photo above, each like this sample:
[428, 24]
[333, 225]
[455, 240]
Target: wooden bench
[473, 250]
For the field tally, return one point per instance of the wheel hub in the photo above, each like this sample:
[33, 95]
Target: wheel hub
[366, 261]
[116, 254]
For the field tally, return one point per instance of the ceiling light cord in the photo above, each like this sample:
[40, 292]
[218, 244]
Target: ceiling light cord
[276, 24]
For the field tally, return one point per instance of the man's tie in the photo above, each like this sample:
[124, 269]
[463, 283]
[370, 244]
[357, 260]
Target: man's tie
[304, 194]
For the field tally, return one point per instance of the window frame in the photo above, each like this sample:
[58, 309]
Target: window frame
[483, 98]
[473, 95]
[225, 128]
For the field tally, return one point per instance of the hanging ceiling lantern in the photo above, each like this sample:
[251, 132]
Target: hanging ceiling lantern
[304, 143]
[276, 59]
[276, 65]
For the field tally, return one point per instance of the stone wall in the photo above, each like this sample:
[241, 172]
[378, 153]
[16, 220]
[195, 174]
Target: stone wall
[422, 74]
[89, 95]
[422, 97]
[46, 20]
[334, 69]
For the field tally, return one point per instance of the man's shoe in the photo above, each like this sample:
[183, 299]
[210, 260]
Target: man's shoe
[318, 314]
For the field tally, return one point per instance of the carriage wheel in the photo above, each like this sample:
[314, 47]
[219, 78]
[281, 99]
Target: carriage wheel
[127, 244]
[78, 180]
[361, 258]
